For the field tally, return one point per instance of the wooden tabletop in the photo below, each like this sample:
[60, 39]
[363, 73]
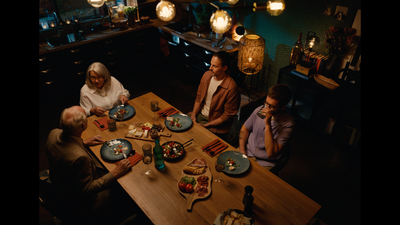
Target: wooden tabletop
[275, 201]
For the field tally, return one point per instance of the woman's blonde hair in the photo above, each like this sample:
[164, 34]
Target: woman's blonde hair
[100, 69]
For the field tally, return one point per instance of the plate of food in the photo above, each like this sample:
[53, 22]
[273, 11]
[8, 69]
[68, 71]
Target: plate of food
[195, 181]
[113, 149]
[121, 112]
[235, 162]
[174, 150]
[178, 122]
[233, 216]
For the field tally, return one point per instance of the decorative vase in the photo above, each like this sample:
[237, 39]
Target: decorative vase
[131, 19]
[332, 65]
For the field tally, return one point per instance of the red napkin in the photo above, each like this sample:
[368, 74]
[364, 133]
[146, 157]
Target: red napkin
[102, 121]
[169, 111]
[216, 146]
[134, 159]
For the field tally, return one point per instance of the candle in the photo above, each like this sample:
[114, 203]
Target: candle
[45, 25]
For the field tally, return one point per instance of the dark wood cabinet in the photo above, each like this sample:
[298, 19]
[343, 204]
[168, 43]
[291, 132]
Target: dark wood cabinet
[334, 113]
[63, 73]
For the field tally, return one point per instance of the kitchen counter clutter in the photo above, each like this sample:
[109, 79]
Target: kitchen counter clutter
[62, 69]
[156, 23]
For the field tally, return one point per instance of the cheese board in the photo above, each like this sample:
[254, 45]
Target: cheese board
[197, 170]
[143, 131]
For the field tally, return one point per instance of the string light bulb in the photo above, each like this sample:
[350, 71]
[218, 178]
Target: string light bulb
[220, 21]
[96, 3]
[165, 10]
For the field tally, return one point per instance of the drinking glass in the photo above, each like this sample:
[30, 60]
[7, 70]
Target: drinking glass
[154, 108]
[120, 116]
[219, 168]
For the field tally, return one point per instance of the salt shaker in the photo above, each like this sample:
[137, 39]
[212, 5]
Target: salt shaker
[248, 200]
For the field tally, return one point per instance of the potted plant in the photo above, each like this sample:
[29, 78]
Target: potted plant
[130, 11]
[338, 42]
[203, 14]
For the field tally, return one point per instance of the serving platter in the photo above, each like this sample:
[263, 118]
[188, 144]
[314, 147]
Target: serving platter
[148, 138]
[191, 197]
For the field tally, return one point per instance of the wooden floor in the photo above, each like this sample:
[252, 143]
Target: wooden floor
[318, 167]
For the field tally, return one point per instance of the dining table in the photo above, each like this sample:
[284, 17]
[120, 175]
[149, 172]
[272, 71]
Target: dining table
[275, 201]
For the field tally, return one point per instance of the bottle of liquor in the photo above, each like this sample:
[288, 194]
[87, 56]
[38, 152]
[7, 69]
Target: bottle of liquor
[295, 55]
[248, 200]
[158, 155]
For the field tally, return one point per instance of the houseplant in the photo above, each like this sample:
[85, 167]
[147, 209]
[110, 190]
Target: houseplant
[338, 42]
[130, 11]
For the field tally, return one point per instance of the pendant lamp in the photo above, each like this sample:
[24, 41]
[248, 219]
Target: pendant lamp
[251, 54]
[273, 7]
[165, 10]
[220, 21]
[96, 3]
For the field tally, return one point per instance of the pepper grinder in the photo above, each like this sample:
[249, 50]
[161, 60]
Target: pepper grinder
[248, 200]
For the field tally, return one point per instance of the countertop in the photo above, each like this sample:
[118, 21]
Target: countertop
[99, 35]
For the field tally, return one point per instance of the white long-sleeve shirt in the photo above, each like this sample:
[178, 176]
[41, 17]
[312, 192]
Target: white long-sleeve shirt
[106, 98]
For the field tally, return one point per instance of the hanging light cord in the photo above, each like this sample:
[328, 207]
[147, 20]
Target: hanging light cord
[214, 5]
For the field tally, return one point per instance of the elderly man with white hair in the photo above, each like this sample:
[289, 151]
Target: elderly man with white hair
[78, 177]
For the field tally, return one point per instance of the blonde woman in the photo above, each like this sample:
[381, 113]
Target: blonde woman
[101, 91]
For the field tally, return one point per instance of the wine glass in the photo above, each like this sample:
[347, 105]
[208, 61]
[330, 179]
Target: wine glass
[219, 168]
[154, 108]
[120, 116]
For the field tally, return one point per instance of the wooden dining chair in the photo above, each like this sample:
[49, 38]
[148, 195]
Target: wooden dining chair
[50, 201]
[282, 161]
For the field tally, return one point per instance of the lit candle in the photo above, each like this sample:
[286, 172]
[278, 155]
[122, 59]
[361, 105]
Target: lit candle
[45, 25]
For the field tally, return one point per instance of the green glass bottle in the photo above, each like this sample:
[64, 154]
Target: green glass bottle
[158, 155]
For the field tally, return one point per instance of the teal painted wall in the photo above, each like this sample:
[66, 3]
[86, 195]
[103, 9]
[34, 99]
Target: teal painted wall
[281, 32]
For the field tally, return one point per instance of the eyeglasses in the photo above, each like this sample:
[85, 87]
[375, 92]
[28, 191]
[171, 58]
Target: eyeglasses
[272, 107]
[97, 78]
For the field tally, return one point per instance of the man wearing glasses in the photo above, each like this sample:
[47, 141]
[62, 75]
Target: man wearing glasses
[268, 129]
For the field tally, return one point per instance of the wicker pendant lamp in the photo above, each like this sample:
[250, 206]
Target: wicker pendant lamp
[251, 54]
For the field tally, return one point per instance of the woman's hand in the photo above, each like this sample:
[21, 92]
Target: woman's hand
[97, 111]
[123, 99]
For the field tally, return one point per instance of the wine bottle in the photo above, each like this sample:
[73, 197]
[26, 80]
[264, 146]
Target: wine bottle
[158, 155]
[295, 55]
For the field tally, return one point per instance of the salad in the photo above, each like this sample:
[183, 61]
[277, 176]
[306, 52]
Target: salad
[231, 163]
[119, 150]
[121, 112]
[186, 184]
[175, 122]
[172, 149]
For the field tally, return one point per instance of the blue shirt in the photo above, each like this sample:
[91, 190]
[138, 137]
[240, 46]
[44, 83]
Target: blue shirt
[282, 127]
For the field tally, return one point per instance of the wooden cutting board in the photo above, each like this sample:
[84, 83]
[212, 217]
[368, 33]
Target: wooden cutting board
[148, 138]
[165, 134]
[191, 197]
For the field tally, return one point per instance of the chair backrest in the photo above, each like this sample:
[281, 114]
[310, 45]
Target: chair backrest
[283, 159]
[51, 201]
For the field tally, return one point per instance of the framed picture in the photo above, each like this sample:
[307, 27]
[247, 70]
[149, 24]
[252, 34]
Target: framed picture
[341, 13]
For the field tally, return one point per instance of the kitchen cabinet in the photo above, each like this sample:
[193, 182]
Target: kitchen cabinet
[63, 72]
[334, 113]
